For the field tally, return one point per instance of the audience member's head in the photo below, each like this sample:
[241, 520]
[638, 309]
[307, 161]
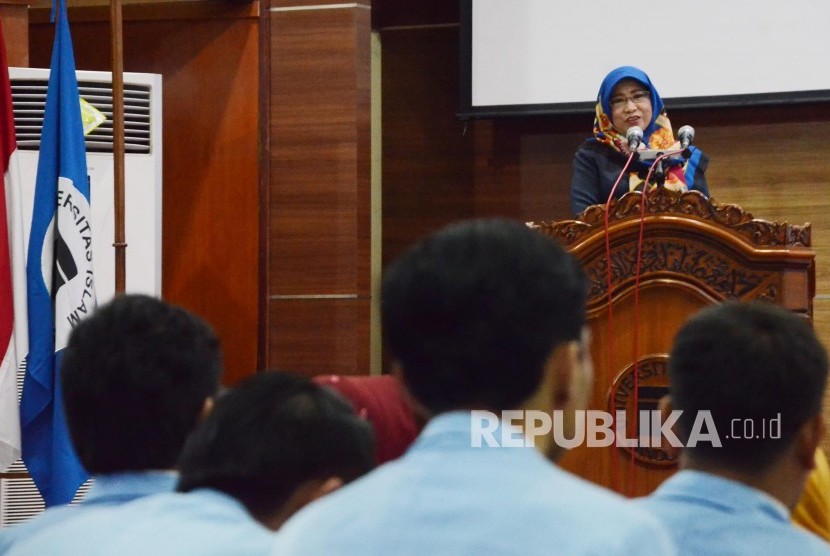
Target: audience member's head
[137, 376]
[750, 363]
[381, 401]
[276, 442]
[480, 314]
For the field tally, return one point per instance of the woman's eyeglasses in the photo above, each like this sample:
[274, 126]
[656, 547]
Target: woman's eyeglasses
[640, 97]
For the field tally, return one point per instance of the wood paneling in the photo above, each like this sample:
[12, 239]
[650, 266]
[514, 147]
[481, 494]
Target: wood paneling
[438, 169]
[313, 3]
[319, 337]
[14, 15]
[318, 219]
[319, 205]
[428, 155]
[523, 168]
[149, 10]
[396, 13]
[210, 206]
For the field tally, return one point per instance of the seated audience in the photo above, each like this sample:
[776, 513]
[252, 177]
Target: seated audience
[273, 444]
[137, 376]
[761, 372]
[483, 315]
[381, 401]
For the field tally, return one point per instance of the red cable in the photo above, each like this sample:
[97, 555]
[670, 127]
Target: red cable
[614, 466]
[636, 340]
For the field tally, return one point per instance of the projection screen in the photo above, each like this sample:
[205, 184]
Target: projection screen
[544, 56]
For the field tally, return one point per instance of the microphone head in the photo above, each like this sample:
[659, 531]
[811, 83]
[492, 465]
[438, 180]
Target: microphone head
[634, 136]
[686, 134]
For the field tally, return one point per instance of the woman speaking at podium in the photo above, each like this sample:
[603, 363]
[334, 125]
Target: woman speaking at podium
[627, 99]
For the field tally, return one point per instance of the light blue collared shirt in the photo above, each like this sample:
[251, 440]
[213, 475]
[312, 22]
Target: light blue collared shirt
[106, 491]
[445, 496]
[708, 515]
[202, 522]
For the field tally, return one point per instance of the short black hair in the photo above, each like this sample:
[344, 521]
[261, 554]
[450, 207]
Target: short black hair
[269, 435]
[135, 376]
[746, 361]
[472, 312]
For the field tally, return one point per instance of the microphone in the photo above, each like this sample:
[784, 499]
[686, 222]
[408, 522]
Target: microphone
[686, 134]
[634, 136]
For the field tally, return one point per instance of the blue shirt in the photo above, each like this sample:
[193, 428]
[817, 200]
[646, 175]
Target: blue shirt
[446, 497]
[203, 522]
[710, 515]
[106, 491]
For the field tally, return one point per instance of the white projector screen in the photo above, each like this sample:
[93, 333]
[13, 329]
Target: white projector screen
[544, 56]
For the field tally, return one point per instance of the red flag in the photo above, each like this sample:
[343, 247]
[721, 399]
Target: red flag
[9, 414]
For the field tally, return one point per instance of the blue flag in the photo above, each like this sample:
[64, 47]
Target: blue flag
[58, 276]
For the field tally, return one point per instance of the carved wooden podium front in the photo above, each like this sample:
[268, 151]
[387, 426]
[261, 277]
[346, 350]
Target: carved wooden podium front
[694, 253]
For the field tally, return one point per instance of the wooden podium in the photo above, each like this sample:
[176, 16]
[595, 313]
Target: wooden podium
[695, 252]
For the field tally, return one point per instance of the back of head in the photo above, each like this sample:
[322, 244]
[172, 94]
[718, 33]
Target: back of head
[135, 378]
[746, 361]
[271, 435]
[472, 312]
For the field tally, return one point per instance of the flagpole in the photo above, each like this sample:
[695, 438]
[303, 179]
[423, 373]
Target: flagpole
[117, 53]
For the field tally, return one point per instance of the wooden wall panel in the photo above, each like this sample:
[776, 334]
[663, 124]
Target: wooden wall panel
[208, 58]
[319, 206]
[523, 167]
[397, 13]
[324, 336]
[438, 169]
[427, 153]
[319, 152]
[14, 15]
[298, 5]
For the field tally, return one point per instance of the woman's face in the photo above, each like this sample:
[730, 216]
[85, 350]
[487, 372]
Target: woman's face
[630, 105]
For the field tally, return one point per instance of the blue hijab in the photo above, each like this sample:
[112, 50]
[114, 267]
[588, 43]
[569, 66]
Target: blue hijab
[630, 72]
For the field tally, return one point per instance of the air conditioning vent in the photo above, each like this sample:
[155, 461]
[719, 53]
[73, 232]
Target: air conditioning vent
[29, 100]
[19, 498]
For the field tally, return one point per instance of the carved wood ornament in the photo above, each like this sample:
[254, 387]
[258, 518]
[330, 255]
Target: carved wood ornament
[720, 251]
[661, 201]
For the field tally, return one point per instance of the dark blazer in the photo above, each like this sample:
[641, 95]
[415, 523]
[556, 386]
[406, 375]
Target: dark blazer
[597, 166]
